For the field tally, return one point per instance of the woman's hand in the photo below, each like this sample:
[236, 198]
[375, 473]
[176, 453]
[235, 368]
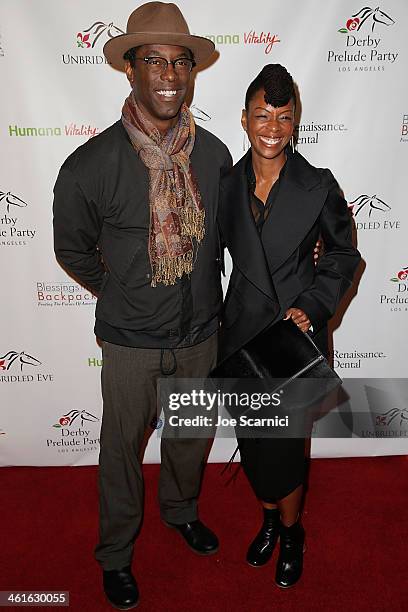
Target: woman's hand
[299, 317]
[318, 251]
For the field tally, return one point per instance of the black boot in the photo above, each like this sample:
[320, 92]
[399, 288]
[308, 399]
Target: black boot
[261, 549]
[290, 561]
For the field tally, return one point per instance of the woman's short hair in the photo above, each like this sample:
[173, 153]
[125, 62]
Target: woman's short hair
[278, 85]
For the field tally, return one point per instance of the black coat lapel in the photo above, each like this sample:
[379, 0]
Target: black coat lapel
[205, 180]
[294, 212]
[239, 231]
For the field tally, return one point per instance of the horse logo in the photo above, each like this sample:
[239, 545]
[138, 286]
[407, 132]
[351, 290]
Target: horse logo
[367, 14]
[199, 114]
[22, 358]
[389, 408]
[11, 200]
[393, 413]
[68, 419]
[89, 37]
[370, 203]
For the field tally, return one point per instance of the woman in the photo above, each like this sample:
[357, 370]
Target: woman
[273, 209]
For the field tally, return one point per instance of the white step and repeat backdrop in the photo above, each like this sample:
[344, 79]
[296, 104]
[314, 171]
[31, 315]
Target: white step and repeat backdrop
[350, 63]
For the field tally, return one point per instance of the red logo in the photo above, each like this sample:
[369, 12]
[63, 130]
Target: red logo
[352, 24]
[264, 38]
[68, 419]
[89, 37]
[402, 275]
[17, 358]
[82, 40]
[366, 15]
[392, 414]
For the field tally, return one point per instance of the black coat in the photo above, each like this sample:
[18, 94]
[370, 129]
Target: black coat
[275, 270]
[101, 210]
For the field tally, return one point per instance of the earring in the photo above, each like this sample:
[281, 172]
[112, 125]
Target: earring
[245, 142]
[292, 144]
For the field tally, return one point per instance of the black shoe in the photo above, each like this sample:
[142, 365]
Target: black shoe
[290, 561]
[120, 588]
[261, 549]
[198, 537]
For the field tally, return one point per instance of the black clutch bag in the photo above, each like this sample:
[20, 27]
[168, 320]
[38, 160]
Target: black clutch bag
[282, 357]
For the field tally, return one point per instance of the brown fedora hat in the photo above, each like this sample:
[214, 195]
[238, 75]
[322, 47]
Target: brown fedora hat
[160, 23]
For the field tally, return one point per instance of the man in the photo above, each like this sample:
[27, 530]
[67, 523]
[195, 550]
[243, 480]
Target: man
[135, 220]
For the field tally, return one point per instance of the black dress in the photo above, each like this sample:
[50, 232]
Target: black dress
[274, 466]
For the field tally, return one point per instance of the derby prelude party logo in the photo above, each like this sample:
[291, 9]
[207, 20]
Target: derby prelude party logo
[398, 301]
[9, 199]
[402, 275]
[366, 16]
[362, 45]
[11, 234]
[76, 431]
[68, 419]
[90, 38]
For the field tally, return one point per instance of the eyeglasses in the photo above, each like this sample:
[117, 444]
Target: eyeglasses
[182, 65]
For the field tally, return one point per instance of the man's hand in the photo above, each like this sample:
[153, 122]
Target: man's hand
[318, 251]
[299, 317]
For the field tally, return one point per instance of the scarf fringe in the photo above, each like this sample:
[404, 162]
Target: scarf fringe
[192, 223]
[167, 269]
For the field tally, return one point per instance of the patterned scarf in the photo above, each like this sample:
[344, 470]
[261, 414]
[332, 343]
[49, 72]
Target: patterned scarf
[177, 215]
